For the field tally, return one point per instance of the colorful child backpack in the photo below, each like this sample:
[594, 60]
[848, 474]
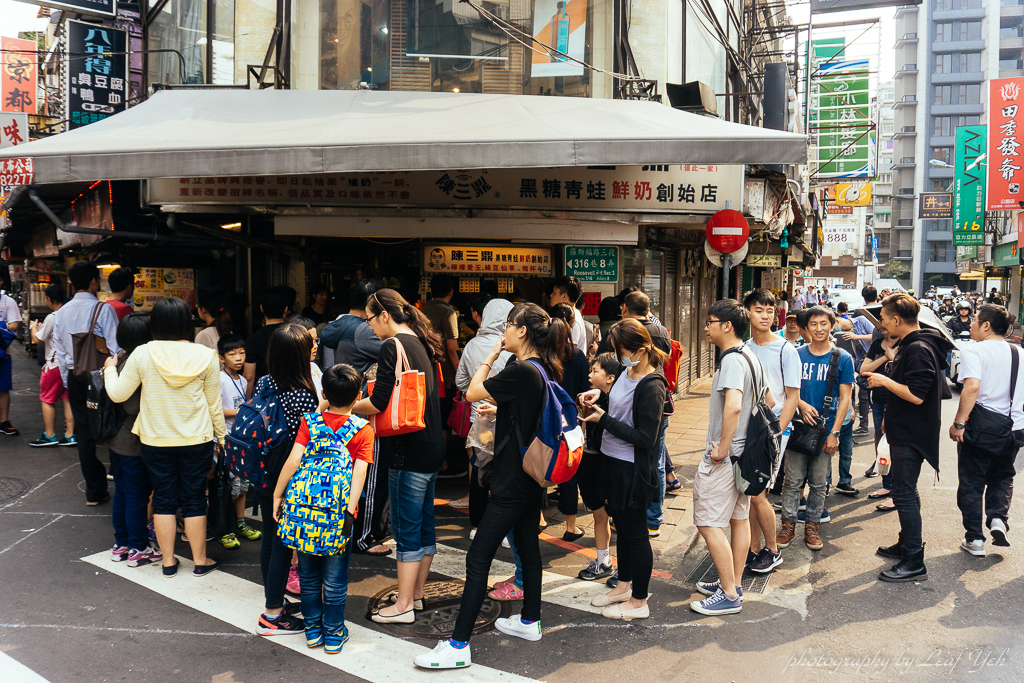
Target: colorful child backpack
[317, 496]
[554, 454]
[259, 442]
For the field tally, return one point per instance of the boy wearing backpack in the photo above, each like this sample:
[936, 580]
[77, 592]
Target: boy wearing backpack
[315, 503]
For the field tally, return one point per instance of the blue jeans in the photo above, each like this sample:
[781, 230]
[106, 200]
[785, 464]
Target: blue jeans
[515, 558]
[878, 412]
[846, 453]
[131, 499]
[324, 582]
[656, 513]
[412, 514]
[816, 471]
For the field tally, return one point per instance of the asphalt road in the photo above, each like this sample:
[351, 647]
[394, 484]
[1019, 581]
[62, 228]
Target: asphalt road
[68, 614]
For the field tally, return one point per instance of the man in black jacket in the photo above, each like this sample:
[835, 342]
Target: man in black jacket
[912, 422]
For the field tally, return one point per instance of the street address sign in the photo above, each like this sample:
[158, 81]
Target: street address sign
[592, 264]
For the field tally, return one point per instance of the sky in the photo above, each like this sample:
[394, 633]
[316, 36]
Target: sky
[19, 16]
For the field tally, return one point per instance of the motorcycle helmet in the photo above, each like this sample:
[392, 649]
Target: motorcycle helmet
[962, 304]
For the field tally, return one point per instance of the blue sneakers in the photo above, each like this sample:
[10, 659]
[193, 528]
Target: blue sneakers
[314, 637]
[825, 517]
[334, 643]
[712, 587]
[719, 603]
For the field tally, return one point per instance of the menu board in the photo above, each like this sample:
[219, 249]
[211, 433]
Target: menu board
[153, 284]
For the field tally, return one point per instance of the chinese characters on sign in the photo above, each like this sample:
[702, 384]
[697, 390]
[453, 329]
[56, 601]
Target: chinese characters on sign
[1006, 116]
[839, 231]
[840, 117]
[154, 284]
[592, 264]
[18, 75]
[969, 186]
[14, 172]
[483, 260]
[676, 189]
[936, 205]
[97, 73]
[13, 129]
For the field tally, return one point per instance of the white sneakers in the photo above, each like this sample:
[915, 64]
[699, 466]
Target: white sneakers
[609, 599]
[514, 626]
[445, 656]
[975, 547]
[999, 532]
[504, 541]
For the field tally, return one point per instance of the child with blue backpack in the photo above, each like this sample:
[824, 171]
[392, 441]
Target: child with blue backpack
[315, 503]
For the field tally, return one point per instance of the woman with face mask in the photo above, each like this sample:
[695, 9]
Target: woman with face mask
[629, 468]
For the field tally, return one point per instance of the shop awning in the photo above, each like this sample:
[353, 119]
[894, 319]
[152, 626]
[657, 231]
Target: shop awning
[181, 133]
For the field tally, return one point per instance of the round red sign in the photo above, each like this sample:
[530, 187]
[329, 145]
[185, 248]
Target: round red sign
[727, 231]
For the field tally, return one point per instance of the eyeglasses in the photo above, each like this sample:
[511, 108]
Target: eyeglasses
[372, 317]
[508, 325]
[709, 322]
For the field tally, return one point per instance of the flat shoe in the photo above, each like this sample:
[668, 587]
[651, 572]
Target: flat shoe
[203, 570]
[367, 552]
[408, 617]
[417, 604]
[885, 508]
[606, 599]
[169, 572]
[570, 537]
[616, 612]
[459, 504]
[878, 496]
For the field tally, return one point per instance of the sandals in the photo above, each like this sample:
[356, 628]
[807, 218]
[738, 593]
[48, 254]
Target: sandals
[367, 552]
[882, 507]
[673, 485]
[877, 496]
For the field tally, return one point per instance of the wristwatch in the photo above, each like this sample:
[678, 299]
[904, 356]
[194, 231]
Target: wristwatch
[835, 433]
[960, 425]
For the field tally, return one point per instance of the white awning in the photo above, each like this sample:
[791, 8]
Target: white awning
[180, 133]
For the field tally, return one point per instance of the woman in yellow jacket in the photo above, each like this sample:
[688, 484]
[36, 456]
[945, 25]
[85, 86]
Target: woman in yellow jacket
[180, 424]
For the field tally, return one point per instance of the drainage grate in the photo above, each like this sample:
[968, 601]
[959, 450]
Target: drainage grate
[441, 601]
[705, 571]
[11, 488]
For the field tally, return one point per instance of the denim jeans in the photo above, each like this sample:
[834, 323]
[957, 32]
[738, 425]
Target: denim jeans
[179, 474]
[324, 581]
[877, 413]
[412, 514]
[131, 499]
[845, 453]
[816, 471]
[502, 515]
[275, 557]
[515, 558]
[656, 513]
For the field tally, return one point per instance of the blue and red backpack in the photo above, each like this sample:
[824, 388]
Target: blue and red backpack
[259, 442]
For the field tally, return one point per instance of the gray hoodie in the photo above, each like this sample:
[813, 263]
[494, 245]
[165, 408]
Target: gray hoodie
[492, 327]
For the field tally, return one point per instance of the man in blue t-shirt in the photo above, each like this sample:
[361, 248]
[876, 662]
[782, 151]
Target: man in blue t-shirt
[815, 359]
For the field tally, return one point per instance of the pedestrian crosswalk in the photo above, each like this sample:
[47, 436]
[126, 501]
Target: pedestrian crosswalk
[13, 671]
[370, 654]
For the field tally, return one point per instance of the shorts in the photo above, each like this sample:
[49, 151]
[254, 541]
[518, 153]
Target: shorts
[179, 474]
[238, 486]
[51, 386]
[716, 502]
[5, 374]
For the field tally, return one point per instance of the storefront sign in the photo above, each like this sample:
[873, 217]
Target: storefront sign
[764, 260]
[561, 24]
[464, 259]
[18, 76]
[839, 232]
[100, 7]
[14, 172]
[592, 264]
[969, 186]
[936, 205]
[831, 207]
[964, 253]
[840, 117]
[13, 129]
[97, 84]
[1005, 255]
[154, 284]
[700, 189]
[1006, 130]
[853, 194]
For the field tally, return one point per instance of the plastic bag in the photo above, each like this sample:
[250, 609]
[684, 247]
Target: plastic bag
[481, 433]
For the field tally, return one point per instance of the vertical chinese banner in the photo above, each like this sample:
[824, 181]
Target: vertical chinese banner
[97, 84]
[1006, 115]
[969, 186]
[18, 75]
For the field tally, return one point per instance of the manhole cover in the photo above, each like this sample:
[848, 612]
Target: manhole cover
[705, 571]
[11, 488]
[441, 600]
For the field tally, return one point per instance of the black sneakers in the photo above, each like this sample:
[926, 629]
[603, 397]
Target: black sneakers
[847, 489]
[765, 561]
[8, 429]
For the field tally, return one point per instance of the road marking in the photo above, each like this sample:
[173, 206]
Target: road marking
[16, 672]
[125, 629]
[370, 655]
[38, 486]
[31, 533]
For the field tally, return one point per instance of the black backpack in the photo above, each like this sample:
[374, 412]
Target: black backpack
[753, 469]
[105, 416]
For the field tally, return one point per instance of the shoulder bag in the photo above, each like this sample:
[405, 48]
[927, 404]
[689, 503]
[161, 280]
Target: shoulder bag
[988, 430]
[90, 351]
[405, 409]
[810, 439]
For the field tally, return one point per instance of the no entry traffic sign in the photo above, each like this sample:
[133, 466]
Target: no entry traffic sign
[727, 231]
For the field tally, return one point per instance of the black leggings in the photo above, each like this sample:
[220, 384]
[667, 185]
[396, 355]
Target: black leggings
[501, 516]
[275, 557]
[633, 543]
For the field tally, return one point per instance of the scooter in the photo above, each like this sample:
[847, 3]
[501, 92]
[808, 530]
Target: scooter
[954, 361]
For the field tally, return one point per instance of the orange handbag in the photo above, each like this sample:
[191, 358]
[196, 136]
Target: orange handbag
[404, 412]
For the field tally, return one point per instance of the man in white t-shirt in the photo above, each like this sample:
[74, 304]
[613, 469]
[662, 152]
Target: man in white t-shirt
[569, 290]
[993, 372]
[781, 364]
[10, 316]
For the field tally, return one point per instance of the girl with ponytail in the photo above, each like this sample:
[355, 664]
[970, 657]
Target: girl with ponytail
[415, 458]
[213, 313]
[519, 391]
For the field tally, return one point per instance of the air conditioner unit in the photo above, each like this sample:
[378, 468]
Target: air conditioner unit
[847, 252]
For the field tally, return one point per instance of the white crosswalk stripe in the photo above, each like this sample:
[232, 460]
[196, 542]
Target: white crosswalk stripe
[13, 671]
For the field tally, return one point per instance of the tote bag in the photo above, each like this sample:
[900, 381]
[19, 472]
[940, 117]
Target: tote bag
[404, 412]
[461, 415]
[90, 350]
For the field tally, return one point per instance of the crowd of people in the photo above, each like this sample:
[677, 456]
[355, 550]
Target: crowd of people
[370, 399]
